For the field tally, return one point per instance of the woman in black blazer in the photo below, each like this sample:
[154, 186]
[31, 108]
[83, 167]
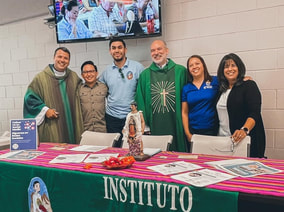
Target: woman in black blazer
[239, 105]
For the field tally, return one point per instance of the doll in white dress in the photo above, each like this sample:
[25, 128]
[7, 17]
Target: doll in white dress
[133, 130]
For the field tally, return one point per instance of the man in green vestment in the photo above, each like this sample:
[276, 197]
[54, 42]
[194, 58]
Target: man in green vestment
[53, 100]
[158, 95]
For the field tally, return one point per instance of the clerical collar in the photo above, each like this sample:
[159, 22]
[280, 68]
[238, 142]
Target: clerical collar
[162, 66]
[59, 73]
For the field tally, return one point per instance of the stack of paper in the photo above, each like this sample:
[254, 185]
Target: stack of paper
[175, 167]
[69, 158]
[200, 178]
[21, 155]
[98, 158]
[243, 167]
[88, 148]
[203, 177]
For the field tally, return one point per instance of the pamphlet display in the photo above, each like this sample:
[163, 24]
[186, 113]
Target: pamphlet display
[23, 134]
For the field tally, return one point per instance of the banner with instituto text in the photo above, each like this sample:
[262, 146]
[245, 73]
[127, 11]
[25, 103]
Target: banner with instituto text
[82, 191]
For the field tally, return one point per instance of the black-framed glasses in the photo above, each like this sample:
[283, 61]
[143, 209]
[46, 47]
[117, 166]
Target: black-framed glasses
[89, 72]
[121, 74]
[232, 147]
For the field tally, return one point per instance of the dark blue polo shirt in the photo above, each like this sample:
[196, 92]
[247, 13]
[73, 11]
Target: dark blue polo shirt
[201, 103]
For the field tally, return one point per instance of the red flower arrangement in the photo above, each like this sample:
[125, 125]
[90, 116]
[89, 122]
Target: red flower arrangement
[119, 162]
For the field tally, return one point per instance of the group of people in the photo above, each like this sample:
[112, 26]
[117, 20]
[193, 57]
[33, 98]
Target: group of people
[173, 99]
[226, 105]
[102, 19]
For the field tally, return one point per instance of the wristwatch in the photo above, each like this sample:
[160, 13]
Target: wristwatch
[245, 129]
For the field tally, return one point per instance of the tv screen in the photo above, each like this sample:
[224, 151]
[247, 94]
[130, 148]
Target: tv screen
[94, 20]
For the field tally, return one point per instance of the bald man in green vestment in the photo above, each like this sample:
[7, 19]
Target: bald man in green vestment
[158, 95]
[52, 98]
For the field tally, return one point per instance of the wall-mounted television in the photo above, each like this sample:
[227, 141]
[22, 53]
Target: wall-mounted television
[94, 20]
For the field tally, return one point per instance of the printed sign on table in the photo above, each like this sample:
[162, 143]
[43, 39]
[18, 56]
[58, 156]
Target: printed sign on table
[23, 134]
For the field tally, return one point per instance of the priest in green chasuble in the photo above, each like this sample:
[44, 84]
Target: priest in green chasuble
[52, 98]
[159, 95]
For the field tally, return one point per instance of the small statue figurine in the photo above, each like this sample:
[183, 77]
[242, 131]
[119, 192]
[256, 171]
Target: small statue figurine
[133, 130]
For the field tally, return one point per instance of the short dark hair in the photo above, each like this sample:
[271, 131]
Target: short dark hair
[207, 76]
[63, 49]
[133, 103]
[116, 39]
[68, 6]
[224, 84]
[35, 182]
[89, 62]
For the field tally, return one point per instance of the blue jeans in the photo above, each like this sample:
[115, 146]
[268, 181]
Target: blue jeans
[115, 125]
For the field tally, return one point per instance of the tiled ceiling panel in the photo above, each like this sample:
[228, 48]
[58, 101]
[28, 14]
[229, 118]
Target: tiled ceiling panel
[16, 10]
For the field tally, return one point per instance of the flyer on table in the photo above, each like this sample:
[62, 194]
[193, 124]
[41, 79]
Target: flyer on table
[23, 134]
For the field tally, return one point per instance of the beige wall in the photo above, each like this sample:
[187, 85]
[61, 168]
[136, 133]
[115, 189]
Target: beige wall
[254, 29]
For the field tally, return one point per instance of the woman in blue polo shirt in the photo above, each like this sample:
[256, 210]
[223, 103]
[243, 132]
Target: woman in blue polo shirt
[199, 99]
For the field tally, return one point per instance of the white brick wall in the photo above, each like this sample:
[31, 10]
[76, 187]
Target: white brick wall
[254, 29]
[2, 92]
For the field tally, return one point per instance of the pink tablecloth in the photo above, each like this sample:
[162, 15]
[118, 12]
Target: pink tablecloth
[263, 184]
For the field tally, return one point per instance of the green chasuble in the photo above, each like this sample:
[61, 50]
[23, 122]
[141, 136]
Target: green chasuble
[159, 97]
[62, 94]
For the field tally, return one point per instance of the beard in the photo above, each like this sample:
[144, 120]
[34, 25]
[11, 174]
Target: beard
[160, 60]
[119, 59]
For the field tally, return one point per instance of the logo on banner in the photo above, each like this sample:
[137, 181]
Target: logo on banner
[38, 196]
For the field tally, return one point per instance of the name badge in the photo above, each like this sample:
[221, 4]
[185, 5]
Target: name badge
[208, 85]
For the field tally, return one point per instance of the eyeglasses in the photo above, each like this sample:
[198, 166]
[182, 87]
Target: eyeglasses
[232, 147]
[121, 74]
[89, 72]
